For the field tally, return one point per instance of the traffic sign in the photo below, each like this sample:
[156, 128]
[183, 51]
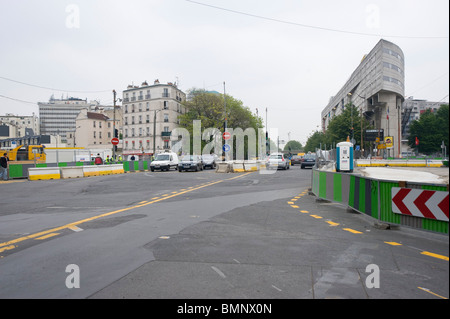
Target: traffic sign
[114, 141]
[226, 148]
[421, 203]
[226, 135]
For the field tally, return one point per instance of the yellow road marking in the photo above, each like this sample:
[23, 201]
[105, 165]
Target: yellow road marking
[352, 231]
[393, 243]
[332, 223]
[7, 248]
[429, 291]
[10, 244]
[316, 216]
[427, 253]
[294, 206]
[47, 236]
[304, 212]
[290, 203]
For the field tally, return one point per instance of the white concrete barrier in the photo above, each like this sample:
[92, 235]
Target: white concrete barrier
[237, 166]
[71, 172]
[251, 166]
[98, 170]
[41, 173]
[223, 167]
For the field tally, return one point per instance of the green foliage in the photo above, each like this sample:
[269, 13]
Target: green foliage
[339, 128]
[293, 146]
[210, 108]
[431, 129]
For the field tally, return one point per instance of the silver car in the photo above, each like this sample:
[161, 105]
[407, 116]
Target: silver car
[190, 162]
[277, 161]
[209, 160]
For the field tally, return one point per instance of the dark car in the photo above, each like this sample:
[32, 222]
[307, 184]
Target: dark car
[296, 159]
[309, 160]
[209, 160]
[190, 162]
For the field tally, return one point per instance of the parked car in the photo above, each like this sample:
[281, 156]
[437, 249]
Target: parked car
[164, 161]
[309, 160]
[190, 162]
[277, 161]
[296, 159]
[209, 160]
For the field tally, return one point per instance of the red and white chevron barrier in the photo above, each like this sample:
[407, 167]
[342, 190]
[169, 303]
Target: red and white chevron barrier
[420, 203]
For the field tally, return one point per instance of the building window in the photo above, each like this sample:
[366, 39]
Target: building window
[166, 117]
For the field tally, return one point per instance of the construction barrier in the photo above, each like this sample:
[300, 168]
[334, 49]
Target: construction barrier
[99, 170]
[373, 197]
[398, 163]
[43, 173]
[237, 167]
[71, 172]
[251, 166]
[223, 167]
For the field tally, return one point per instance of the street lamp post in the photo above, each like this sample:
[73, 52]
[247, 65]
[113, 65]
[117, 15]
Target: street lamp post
[154, 132]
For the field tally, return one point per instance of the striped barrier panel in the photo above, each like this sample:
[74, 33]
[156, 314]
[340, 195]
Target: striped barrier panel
[43, 173]
[420, 203]
[373, 197]
[136, 166]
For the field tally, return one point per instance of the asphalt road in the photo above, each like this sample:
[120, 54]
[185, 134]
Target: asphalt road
[167, 235]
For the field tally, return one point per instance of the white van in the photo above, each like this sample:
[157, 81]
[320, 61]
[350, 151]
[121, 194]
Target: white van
[164, 161]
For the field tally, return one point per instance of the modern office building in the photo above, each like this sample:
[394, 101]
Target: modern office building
[150, 113]
[57, 117]
[377, 89]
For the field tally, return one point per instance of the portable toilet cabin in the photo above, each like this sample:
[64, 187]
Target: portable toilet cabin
[344, 157]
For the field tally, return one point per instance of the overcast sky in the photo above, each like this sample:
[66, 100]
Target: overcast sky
[289, 56]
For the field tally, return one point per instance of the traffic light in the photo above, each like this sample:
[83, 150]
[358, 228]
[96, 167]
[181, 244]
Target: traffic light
[116, 133]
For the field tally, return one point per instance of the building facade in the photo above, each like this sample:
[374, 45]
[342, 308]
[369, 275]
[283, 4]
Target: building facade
[377, 89]
[57, 117]
[13, 126]
[93, 130]
[150, 113]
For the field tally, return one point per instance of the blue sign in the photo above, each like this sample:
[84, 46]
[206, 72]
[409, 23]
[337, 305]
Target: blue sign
[226, 148]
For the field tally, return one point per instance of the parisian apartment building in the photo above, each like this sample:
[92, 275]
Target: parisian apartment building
[95, 129]
[150, 113]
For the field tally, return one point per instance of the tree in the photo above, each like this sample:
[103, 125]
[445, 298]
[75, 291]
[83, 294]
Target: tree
[209, 108]
[346, 124]
[293, 146]
[314, 141]
[430, 129]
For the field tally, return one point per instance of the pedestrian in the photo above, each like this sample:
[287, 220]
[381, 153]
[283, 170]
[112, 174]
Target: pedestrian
[4, 166]
[107, 159]
[120, 158]
[98, 160]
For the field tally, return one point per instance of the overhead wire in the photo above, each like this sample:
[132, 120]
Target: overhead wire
[53, 89]
[316, 27]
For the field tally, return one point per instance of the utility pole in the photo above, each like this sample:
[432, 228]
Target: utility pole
[225, 115]
[114, 123]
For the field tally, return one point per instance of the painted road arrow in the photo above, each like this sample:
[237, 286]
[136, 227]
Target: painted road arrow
[420, 203]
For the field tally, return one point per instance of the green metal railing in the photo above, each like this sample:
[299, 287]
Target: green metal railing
[372, 197]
